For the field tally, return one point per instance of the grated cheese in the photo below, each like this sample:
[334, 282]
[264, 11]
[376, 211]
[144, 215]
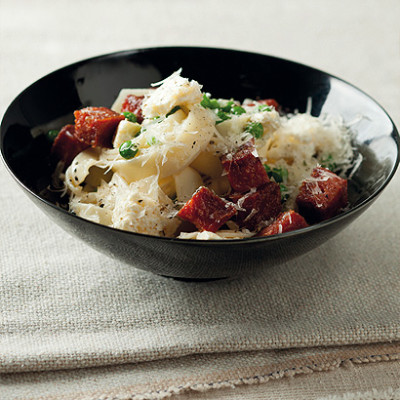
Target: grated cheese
[180, 152]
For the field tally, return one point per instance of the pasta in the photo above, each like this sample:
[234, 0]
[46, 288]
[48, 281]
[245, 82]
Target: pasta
[176, 140]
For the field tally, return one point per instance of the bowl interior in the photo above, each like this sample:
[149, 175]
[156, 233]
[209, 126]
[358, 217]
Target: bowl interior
[49, 103]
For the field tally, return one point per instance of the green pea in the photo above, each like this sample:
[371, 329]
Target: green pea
[52, 134]
[128, 150]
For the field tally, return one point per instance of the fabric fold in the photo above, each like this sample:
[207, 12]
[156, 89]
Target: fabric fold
[192, 374]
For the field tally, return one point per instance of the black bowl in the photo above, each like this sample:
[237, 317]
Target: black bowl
[225, 73]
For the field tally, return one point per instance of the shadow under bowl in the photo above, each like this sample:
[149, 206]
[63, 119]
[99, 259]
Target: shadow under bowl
[49, 103]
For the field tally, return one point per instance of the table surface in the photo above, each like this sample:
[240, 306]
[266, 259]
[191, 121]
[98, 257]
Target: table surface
[357, 40]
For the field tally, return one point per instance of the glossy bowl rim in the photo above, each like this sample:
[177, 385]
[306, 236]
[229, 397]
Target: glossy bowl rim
[202, 242]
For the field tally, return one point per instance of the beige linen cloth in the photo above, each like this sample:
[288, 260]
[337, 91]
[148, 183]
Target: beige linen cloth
[66, 308]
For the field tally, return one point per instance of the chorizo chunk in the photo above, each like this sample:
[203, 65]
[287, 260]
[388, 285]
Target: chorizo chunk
[133, 104]
[66, 146]
[96, 126]
[258, 206]
[285, 222]
[245, 171]
[206, 210]
[322, 196]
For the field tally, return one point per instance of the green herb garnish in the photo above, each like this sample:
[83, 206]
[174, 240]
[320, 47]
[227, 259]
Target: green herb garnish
[228, 107]
[264, 107]
[130, 116]
[231, 108]
[128, 150]
[255, 129]
[223, 111]
[207, 102]
[223, 116]
[328, 163]
[279, 175]
[238, 110]
[174, 110]
[52, 134]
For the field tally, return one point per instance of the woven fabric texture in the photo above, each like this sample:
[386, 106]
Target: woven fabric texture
[281, 374]
[66, 306]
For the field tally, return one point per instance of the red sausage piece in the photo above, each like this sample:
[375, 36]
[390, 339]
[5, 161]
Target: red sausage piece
[245, 170]
[66, 146]
[206, 210]
[322, 196]
[96, 126]
[133, 104]
[260, 205]
[285, 222]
